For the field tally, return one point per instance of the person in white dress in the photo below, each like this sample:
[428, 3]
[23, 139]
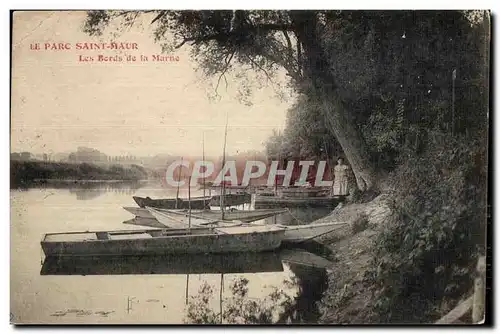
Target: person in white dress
[340, 182]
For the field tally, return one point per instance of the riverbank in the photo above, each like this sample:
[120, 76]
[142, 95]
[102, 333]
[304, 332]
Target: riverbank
[27, 173]
[354, 292]
[348, 299]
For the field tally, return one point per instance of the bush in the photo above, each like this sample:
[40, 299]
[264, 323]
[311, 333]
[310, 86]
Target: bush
[426, 256]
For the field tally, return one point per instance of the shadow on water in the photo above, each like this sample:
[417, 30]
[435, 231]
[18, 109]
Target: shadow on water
[293, 301]
[311, 246]
[312, 282]
[170, 264]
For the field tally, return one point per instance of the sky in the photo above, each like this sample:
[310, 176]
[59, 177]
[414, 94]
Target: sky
[59, 102]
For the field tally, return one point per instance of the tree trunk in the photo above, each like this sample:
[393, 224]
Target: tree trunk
[318, 78]
[349, 137]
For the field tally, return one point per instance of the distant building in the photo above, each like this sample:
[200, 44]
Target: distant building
[25, 156]
[88, 155]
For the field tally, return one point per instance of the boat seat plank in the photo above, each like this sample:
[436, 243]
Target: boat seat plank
[61, 237]
[247, 229]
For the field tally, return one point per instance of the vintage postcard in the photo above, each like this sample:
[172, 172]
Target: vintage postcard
[249, 167]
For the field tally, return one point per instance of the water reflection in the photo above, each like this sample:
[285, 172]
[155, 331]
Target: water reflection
[171, 264]
[312, 282]
[80, 313]
[291, 301]
[88, 193]
[141, 290]
[88, 190]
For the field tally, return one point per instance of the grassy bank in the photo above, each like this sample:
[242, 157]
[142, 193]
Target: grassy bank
[25, 173]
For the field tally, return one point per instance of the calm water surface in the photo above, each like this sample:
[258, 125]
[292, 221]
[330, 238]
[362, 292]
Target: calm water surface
[131, 294]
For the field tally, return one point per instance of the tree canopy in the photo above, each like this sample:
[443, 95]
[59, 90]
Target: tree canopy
[396, 72]
[376, 77]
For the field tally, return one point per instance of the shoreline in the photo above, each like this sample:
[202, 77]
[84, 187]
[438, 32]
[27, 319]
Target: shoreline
[88, 181]
[25, 173]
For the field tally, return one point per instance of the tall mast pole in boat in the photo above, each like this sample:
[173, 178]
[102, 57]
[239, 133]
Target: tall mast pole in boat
[189, 204]
[220, 297]
[189, 229]
[187, 288]
[203, 148]
[178, 184]
[223, 188]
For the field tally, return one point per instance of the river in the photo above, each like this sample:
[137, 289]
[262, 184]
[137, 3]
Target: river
[149, 291]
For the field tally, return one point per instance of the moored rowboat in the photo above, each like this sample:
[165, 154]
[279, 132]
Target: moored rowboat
[173, 203]
[268, 201]
[145, 222]
[241, 215]
[163, 241]
[300, 233]
[293, 233]
[231, 199]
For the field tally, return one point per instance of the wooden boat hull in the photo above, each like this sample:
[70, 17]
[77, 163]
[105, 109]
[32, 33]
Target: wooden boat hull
[145, 222]
[228, 188]
[300, 233]
[231, 199]
[184, 220]
[139, 212]
[173, 203]
[301, 192]
[264, 201]
[293, 233]
[160, 242]
[241, 215]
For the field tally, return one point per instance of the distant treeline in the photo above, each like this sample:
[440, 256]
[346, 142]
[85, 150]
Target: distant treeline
[24, 173]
